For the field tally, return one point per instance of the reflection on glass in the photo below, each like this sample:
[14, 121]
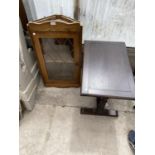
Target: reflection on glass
[58, 55]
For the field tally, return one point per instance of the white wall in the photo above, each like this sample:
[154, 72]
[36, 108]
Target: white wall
[28, 73]
[111, 20]
[30, 9]
[36, 9]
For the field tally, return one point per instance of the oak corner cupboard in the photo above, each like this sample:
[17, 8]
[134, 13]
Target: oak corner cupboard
[57, 42]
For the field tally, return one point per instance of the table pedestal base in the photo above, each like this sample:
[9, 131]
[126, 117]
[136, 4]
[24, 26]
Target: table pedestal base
[100, 109]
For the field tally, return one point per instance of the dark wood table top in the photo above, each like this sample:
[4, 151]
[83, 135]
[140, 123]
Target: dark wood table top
[107, 71]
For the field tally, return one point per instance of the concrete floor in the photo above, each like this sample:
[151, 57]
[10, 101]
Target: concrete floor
[55, 126]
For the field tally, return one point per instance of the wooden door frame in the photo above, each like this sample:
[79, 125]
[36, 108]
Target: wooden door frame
[36, 36]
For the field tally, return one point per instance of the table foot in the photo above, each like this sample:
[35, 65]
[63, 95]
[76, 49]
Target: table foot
[100, 109]
[105, 112]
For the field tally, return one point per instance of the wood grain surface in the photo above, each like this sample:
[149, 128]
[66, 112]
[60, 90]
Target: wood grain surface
[106, 70]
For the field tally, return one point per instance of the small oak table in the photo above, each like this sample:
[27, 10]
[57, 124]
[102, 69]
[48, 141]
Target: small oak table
[106, 74]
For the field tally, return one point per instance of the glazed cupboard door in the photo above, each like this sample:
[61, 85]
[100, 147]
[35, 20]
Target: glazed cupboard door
[58, 52]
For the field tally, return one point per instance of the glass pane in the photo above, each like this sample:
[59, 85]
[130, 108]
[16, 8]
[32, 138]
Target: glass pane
[60, 71]
[58, 55]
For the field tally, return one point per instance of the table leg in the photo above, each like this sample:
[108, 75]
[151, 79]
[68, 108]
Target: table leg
[100, 109]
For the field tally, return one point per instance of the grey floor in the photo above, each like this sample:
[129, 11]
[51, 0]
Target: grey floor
[55, 126]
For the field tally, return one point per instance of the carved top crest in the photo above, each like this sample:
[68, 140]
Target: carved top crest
[54, 23]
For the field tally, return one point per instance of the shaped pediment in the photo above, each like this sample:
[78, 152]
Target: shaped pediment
[54, 23]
